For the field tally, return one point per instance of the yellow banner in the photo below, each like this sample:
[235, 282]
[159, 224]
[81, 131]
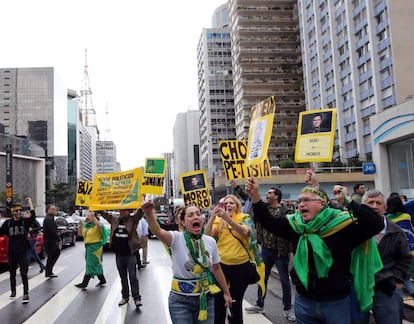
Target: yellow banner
[316, 135]
[154, 176]
[195, 189]
[233, 156]
[119, 190]
[260, 132]
[83, 193]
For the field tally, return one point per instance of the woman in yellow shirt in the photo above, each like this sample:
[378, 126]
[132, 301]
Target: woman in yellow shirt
[94, 237]
[236, 243]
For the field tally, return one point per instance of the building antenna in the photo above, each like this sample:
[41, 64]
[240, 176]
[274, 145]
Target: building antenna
[87, 107]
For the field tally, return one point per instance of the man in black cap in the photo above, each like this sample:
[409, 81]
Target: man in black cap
[16, 228]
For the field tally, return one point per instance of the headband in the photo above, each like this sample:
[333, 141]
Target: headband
[315, 191]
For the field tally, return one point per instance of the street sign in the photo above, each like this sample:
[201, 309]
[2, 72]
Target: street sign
[368, 168]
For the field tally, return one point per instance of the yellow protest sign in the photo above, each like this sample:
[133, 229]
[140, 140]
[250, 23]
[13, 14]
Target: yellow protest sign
[260, 132]
[118, 190]
[154, 176]
[316, 135]
[233, 156]
[195, 189]
[83, 193]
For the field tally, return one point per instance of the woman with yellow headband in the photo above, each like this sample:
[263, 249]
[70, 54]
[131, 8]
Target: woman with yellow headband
[334, 250]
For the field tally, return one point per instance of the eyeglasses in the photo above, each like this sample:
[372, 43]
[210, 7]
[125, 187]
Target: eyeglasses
[307, 199]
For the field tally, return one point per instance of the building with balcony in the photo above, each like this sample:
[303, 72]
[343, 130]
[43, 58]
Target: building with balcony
[266, 61]
[215, 90]
[356, 58]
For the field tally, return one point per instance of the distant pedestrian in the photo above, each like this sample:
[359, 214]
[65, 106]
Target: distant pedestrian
[16, 229]
[334, 249]
[359, 190]
[51, 240]
[125, 244]
[195, 261]
[34, 230]
[142, 230]
[95, 236]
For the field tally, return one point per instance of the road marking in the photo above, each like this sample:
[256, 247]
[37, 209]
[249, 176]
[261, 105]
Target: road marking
[33, 282]
[108, 306]
[50, 311]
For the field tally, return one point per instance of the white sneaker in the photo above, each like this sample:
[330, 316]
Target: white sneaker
[290, 315]
[254, 309]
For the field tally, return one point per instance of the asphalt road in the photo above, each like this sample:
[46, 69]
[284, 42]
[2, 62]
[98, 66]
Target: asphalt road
[59, 301]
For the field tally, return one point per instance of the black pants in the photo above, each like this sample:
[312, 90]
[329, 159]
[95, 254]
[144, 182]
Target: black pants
[53, 252]
[236, 275]
[21, 261]
[127, 267]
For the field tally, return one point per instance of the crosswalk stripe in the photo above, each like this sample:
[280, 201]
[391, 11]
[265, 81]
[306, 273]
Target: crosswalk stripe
[108, 305]
[33, 282]
[50, 311]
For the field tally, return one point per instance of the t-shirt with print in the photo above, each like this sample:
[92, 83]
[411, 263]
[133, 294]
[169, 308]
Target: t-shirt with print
[183, 263]
[120, 240]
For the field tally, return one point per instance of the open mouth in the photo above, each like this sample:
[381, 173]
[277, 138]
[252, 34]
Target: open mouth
[196, 226]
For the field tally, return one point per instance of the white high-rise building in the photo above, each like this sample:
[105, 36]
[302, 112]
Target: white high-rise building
[186, 137]
[357, 58]
[215, 89]
[106, 157]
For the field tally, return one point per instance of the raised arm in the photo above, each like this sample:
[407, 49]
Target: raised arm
[163, 235]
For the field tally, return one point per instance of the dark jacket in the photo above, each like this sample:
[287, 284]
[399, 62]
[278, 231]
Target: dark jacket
[17, 232]
[50, 231]
[131, 223]
[338, 283]
[395, 256]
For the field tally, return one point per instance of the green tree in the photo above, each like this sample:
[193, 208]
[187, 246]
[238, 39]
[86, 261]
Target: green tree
[63, 196]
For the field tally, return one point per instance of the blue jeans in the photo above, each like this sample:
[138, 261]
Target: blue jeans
[184, 309]
[387, 309]
[32, 253]
[271, 258]
[334, 312]
[127, 266]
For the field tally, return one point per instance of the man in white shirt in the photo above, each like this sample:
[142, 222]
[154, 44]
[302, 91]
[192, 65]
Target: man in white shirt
[142, 230]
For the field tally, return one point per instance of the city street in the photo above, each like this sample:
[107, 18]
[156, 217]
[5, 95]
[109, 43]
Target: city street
[59, 301]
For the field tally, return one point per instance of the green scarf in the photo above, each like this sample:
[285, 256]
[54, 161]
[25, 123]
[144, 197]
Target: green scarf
[196, 247]
[311, 232]
[104, 235]
[365, 258]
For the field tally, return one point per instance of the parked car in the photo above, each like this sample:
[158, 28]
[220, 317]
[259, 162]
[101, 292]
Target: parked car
[165, 223]
[4, 245]
[66, 231]
[74, 221]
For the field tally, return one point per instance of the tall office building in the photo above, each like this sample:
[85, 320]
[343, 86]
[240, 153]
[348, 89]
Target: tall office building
[32, 102]
[215, 89]
[266, 62]
[186, 140]
[81, 158]
[106, 157]
[357, 58]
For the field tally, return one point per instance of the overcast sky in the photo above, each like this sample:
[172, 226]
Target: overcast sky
[142, 58]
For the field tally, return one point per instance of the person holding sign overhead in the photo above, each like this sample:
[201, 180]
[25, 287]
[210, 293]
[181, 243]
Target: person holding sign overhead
[334, 249]
[125, 243]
